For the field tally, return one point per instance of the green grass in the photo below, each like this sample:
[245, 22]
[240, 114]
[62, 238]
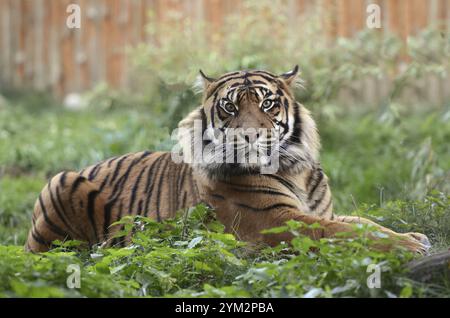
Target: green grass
[391, 168]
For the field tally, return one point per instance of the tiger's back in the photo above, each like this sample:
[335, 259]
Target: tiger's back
[82, 205]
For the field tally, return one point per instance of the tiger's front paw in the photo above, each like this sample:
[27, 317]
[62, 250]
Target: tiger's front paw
[416, 242]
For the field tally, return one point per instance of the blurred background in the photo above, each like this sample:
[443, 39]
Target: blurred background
[121, 82]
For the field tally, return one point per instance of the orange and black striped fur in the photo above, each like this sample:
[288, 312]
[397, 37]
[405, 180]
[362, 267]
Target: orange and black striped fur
[82, 205]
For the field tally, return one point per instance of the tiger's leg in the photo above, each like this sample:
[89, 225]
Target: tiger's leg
[65, 210]
[328, 229]
[422, 238]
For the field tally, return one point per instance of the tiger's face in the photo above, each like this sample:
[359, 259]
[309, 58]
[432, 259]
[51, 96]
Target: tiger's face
[250, 121]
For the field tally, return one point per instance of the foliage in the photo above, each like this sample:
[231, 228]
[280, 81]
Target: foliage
[389, 163]
[266, 35]
[191, 256]
[404, 155]
[398, 155]
[52, 140]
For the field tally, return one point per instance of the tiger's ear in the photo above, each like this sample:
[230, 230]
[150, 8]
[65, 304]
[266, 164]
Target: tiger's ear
[203, 82]
[290, 77]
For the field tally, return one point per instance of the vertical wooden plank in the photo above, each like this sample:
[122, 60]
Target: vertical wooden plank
[83, 55]
[408, 18]
[102, 33]
[343, 9]
[393, 8]
[6, 31]
[28, 29]
[422, 8]
[78, 54]
[68, 49]
[301, 7]
[328, 12]
[129, 36]
[213, 19]
[96, 51]
[358, 15]
[125, 36]
[150, 18]
[291, 7]
[108, 33]
[53, 48]
[17, 41]
[81, 44]
[385, 16]
[3, 46]
[143, 19]
[444, 14]
[40, 78]
[433, 15]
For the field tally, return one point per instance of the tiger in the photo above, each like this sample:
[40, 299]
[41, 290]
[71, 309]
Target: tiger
[83, 205]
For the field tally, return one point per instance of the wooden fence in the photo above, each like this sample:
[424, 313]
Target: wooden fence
[37, 50]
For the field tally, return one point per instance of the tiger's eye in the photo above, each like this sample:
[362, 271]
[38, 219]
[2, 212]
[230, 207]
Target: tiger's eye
[267, 103]
[229, 107]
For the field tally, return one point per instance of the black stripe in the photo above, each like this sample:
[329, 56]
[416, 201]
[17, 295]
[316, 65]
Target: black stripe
[284, 182]
[184, 200]
[62, 180]
[116, 241]
[326, 208]
[221, 82]
[38, 238]
[264, 72]
[204, 120]
[94, 171]
[193, 186]
[110, 161]
[309, 178]
[217, 196]
[158, 190]
[134, 190]
[79, 180]
[228, 75]
[62, 215]
[117, 191]
[120, 183]
[259, 82]
[150, 185]
[280, 92]
[119, 214]
[269, 79]
[181, 176]
[72, 209]
[296, 133]
[107, 216]
[318, 201]
[267, 208]
[149, 174]
[105, 180]
[139, 210]
[52, 226]
[316, 184]
[213, 106]
[263, 191]
[117, 169]
[91, 211]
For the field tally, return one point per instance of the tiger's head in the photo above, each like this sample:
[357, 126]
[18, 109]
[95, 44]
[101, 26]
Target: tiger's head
[249, 121]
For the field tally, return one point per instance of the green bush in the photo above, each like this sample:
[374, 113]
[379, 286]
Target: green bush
[190, 256]
[389, 163]
[266, 36]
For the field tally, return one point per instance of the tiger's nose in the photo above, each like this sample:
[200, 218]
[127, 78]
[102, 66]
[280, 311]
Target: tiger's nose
[251, 137]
